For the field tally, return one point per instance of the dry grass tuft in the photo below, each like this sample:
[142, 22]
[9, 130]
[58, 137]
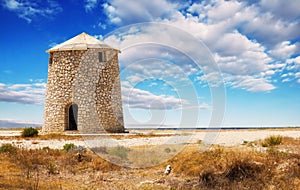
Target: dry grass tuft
[272, 141]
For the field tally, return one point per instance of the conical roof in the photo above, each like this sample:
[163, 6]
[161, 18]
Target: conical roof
[82, 41]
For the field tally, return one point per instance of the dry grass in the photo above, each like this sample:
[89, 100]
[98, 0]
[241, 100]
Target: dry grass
[78, 136]
[51, 136]
[221, 168]
[59, 136]
[32, 169]
[215, 168]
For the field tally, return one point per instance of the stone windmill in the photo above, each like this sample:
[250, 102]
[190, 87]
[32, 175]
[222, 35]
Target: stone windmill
[83, 88]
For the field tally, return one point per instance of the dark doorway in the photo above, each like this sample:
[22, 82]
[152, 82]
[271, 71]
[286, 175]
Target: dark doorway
[73, 115]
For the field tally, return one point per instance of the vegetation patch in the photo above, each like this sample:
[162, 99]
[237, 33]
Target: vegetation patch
[120, 151]
[30, 132]
[242, 169]
[7, 148]
[272, 141]
[215, 168]
[68, 147]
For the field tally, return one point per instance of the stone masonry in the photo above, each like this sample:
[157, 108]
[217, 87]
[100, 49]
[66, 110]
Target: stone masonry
[88, 78]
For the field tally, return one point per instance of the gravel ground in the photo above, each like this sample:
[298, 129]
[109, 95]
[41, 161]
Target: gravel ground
[225, 138]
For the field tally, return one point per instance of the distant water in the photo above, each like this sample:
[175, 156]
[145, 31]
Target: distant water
[152, 127]
[6, 124]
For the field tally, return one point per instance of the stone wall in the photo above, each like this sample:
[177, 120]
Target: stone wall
[79, 77]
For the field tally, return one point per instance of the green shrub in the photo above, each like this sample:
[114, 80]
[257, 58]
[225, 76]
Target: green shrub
[68, 147]
[30, 132]
[7, 148]
[272, 141]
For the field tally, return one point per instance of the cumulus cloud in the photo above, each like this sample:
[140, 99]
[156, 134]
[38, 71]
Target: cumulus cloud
[224, 10]
[251, 40]
[295, 60]
[283, 50]
[137, 98]
[287, 9]
[264, 27]
[29, 10]
[23, 93]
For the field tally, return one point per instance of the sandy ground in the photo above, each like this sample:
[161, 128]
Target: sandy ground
[225, 138]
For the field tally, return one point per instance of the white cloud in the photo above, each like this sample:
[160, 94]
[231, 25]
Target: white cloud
[127, 12]
[33, 93]
[265, 26]
[196, 8]
[269, 72]
[250, 83]
[90, 5]
[257, 21]
[235, 44]
[12, 4]
[223, 10]
[276, 66]
[283, 50]
[286, 80]
[288, 9]
[294, 60]
[240, 34]
[211, 78]
[136, 98]
[298, 81]
[169, 73]
[248, 63]
[29, 10]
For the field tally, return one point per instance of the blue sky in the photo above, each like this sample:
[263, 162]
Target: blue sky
[254, 45]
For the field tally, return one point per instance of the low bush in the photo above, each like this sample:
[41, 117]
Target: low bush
[7, 148]
[272, 141]
[30, 132]
[242, 169]
[69, 147]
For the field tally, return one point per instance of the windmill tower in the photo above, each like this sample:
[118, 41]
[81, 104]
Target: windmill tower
[83, 88]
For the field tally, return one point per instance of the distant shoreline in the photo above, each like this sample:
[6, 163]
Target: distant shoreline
[182, 128]
[212, 128]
